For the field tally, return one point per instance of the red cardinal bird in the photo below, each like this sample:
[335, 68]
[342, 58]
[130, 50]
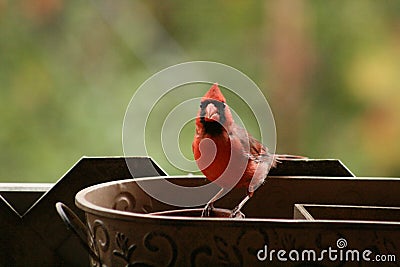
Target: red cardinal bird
[225, 153]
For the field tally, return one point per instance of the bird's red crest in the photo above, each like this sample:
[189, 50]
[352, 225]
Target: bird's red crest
[214, 93]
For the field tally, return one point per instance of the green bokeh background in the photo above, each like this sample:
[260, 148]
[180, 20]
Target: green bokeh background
[68, 69]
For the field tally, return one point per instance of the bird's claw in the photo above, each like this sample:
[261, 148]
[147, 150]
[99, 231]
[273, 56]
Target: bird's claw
[236, 213]
[207, 210]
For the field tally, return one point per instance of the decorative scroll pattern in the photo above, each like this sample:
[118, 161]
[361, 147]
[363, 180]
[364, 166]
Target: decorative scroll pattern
[224, 253]
[156, 245]
[124, 201]
[124, 251]
[133, 200]
[127, 247]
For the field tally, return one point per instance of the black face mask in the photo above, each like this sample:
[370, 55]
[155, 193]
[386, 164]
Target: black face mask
[213, 127]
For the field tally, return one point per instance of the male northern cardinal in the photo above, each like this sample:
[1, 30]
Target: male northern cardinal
[226, 153]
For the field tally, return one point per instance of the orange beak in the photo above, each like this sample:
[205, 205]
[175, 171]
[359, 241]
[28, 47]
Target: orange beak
[211, 113]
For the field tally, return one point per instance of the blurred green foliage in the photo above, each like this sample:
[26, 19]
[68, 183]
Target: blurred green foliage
[329, 69]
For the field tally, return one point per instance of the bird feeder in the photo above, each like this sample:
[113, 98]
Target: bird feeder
[312, 211]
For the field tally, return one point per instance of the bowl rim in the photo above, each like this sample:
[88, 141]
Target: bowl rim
[88, 207]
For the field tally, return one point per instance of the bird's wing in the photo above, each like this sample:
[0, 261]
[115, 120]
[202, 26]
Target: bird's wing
[252, 147]
[256, 152]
